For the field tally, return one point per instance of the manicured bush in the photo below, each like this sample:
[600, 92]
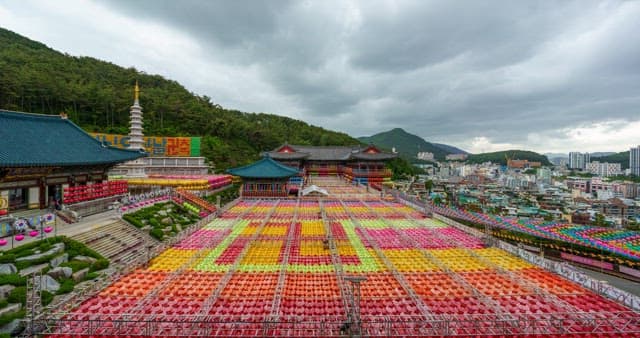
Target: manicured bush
[156, 233]
[133, 220]
[7, 258]
[46, 297]
[75, 248]
[66, 286]
[92, 275]
[3, 303]
[18, 295]
[9, 317]
[76, 265]
[13, 279]
[100, 264]
[154, 222]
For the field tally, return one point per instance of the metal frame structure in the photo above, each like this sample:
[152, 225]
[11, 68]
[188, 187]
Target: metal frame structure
[69, 324]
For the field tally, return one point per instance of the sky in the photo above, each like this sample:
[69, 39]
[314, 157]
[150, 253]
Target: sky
[547, 76]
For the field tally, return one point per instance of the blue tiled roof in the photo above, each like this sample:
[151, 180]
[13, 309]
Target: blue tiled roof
[265, 168]
[49, 140]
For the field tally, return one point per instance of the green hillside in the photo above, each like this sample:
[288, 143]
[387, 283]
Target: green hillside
[96, 95]
[500, 157]
[622, 158]
[406, 144]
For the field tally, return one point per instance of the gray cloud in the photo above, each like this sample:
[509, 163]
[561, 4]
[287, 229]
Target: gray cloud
[449, 71]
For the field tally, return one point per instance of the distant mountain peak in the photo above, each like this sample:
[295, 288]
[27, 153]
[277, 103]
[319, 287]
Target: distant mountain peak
[408, 145]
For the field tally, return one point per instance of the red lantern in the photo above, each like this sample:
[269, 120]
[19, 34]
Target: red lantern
[33, 233]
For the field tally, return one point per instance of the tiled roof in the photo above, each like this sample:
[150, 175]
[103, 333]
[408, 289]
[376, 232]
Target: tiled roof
[329, 153]
[49, 140]
[265, 168]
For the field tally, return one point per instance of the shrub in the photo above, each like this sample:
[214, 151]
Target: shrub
[7, 258]
[9, 317]
[46, 297]
[100, 264]
[18, 295]
[13, 279]
[75, 248]
[3, 303]
[66, 286]
[76, 265]
[92, 275]
[156, 233]
[155, 223]
[134, 221]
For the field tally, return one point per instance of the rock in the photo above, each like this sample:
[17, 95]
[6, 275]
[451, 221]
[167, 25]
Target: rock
[5, 290]
[146, 228]
[6, 269]
[167, 230]
[57, 248]
[80, 275]
[11, 308]
[179, 227]
[162, 213]
[85, 259]
[14, 328]
[60, 272]
[167, 221]
[47, 283]
[59, 260]
[33, 269]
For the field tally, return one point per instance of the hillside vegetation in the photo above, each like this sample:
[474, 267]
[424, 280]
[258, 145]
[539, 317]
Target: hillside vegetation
[500, 157]
[622, 158]
[97, 95]
[406, 144]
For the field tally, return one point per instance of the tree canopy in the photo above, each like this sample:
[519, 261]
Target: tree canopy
[97, 95]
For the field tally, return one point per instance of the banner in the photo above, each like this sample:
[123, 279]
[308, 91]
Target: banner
[156, 145]
[587, 261]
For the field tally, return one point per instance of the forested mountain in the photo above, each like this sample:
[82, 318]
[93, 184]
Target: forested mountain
[406, 144]
[622, 158]
[500, 157]
[450, 149]
[97, 95]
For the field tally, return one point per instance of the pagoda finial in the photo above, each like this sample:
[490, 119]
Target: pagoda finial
[136, 92]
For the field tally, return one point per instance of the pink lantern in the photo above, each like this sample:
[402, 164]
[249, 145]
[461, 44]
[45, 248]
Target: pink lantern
[48, 229]
[19, 237]
[33, 233]
[3, 242]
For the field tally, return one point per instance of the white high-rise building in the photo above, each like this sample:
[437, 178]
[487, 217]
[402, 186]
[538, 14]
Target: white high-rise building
[634, 160]
[578, 160]
[604, 169]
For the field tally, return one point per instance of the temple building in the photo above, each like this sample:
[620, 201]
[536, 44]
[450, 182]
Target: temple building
[266, 178]
[364, 165]
[41, 155]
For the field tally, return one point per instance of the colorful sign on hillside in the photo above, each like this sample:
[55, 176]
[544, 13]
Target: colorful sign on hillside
[156, 146]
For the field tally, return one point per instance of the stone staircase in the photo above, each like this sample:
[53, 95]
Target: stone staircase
[118, 241]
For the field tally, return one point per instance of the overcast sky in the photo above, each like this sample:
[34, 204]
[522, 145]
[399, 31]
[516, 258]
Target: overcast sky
[549, 76]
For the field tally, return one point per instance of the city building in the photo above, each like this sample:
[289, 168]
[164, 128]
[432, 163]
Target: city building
[604, 169]
[578, 160]
[456, 157]
[425, 156]
[634, 160]
[522, 164]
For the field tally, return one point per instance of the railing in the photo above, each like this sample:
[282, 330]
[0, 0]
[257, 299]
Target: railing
[611, 323]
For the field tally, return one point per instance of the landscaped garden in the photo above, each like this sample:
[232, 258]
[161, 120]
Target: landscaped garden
[63, 263]
[162, 220]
